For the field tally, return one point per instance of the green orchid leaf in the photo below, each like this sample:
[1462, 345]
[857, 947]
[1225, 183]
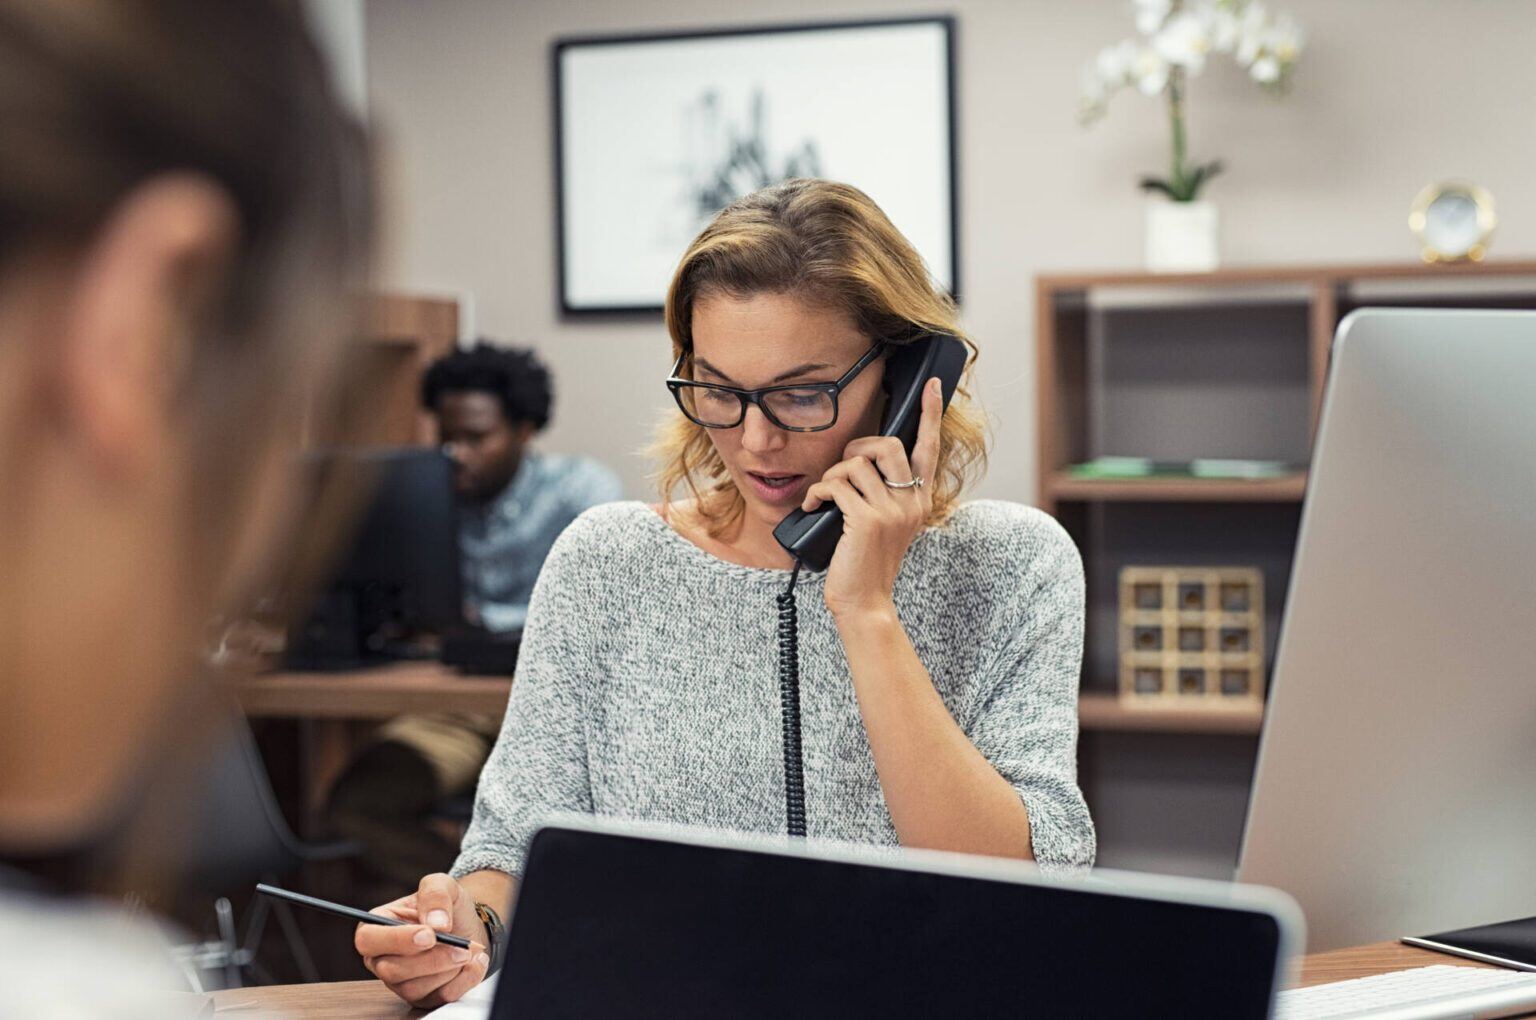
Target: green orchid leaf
[1201, 175]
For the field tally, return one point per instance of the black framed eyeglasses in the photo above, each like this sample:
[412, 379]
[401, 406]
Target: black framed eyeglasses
[800, 407]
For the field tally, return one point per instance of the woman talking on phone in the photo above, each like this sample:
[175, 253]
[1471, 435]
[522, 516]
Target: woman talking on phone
[938, 652]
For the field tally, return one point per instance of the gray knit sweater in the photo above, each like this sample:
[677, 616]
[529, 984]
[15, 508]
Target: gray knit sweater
[647, 689]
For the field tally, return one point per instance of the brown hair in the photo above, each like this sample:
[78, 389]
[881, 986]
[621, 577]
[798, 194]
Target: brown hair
[98, 97]
[827, 243]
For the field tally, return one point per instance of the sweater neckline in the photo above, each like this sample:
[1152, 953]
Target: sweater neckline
[773, 575]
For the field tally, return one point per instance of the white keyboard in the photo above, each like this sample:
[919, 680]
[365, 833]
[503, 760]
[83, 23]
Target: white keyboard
[1440, 992]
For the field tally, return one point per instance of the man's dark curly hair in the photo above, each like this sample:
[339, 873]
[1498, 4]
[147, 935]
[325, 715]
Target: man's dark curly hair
[513, 375]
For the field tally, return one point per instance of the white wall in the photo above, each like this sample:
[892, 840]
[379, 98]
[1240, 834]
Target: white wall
[1391, 94]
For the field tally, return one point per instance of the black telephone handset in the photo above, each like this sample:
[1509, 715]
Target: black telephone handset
[812, 537]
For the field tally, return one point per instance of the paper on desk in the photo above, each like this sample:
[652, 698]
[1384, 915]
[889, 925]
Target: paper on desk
[475, 1005]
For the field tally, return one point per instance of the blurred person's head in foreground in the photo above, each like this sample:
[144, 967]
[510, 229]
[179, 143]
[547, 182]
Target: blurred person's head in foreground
[184, 207]
[489, 401]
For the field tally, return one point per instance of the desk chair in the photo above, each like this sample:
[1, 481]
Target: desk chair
[240, 837]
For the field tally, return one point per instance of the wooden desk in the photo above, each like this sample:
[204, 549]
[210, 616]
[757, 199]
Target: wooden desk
[387, 691]
[380, 693]
[331, 1000]
[331, 704]
[369, 1000]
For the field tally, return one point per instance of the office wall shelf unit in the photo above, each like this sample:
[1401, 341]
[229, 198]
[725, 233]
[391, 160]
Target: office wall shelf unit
[1173, 367]
[379, 401]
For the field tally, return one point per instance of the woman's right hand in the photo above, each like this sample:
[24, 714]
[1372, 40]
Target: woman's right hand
[408, 958]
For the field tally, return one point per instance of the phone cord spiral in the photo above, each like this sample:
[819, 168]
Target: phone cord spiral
[789, 700]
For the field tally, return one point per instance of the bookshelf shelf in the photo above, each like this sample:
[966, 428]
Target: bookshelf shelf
[1062, 487]
[1104, 712]
[1423, 274]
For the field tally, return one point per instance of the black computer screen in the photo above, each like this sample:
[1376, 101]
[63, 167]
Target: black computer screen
[406, 540]
[622, 926]
[395, 571]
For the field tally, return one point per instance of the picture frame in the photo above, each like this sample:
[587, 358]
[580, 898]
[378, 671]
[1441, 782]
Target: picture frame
[655, 133]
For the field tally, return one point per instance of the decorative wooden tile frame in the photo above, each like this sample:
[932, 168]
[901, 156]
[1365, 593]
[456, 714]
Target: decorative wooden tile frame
[1191, 636]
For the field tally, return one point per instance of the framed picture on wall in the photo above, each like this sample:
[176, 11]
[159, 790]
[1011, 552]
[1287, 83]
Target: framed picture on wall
[654, 134]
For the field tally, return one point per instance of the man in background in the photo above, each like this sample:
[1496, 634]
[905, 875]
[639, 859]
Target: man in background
[489, 402]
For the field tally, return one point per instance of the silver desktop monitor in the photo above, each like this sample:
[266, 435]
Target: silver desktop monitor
[1396, 785]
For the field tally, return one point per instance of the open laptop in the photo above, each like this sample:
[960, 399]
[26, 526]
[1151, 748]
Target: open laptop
[1396, 785]
[613, 921]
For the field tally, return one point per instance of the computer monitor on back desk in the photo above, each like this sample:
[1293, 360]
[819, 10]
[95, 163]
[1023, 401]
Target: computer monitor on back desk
[1396, 785]
[397, 570]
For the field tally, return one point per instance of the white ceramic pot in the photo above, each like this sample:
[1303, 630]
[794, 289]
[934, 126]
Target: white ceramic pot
[1182, 237]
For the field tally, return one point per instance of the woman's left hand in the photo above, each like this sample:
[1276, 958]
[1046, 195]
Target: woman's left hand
[879, 522]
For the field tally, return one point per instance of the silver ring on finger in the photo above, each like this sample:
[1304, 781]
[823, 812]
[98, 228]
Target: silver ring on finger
[915, 483]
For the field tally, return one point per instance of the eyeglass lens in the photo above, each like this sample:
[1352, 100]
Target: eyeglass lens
[794, 408]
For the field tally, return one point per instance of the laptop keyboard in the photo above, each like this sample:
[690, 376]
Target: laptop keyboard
[1423, 993]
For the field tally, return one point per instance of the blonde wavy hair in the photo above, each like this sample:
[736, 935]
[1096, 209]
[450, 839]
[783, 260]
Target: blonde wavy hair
[829, 244]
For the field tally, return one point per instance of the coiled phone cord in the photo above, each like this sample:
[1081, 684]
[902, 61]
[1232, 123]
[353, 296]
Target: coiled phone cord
[789, 702]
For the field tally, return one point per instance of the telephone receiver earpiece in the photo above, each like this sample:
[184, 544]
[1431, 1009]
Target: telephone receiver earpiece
[811, 537]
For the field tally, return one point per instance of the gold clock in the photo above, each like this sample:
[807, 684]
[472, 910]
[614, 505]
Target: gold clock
[1453, 221]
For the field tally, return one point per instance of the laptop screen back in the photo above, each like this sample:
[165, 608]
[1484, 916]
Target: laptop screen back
[627, 926]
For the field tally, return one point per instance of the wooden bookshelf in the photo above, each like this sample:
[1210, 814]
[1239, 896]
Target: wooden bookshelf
[1111, 341]
[407, 335]
[1230, 364]
[379, 400]
[1326, 292]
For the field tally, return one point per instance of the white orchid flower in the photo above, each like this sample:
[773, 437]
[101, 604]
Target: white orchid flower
[1114, 62]
[1184, 41]
[1150, 14]
[1252, 32]
[1150, 71]
[1177, 38]
[1265, 70]
[1094, 102]
[1224, 30]
[1286, 40]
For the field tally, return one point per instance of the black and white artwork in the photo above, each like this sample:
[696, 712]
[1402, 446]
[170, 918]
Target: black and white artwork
[656, 134]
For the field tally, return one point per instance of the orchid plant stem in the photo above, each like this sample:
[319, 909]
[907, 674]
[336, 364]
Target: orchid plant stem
[1178, 178]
